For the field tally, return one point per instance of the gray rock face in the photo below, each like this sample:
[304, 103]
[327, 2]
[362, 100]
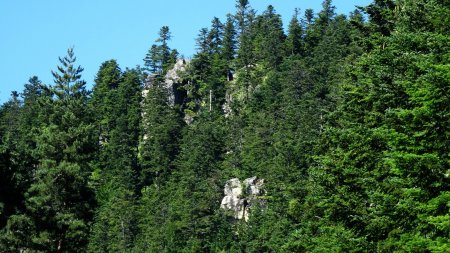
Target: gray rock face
[241, 197]
[149, 82]
[254, 186]
[173, 81]
[233, 187]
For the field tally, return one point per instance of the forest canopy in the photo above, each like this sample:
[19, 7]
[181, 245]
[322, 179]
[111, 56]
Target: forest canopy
[346, 118]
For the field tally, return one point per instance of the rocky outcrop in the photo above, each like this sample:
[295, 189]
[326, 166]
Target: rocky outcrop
[173, 84]
[240, 198]
[173, 81]
[149, 82]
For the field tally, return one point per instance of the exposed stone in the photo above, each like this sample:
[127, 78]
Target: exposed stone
[149, 82]
[173, 81]
[188, 119]
[254, 186]
[240, 198]
[233, 187]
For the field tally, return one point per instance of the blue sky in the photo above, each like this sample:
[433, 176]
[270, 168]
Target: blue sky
[33, 34]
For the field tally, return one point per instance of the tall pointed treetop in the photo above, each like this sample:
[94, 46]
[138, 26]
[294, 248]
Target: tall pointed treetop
[67, 79]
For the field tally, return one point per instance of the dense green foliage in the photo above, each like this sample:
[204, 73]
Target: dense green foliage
[347, 120]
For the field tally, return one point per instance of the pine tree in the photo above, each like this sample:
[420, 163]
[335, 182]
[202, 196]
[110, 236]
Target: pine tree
[203, 41]
[177, 222]
[104, 98]
[245, 16]
[18, 155]
[152, 58]
[9, 130]
[326, 14]
[269, 38]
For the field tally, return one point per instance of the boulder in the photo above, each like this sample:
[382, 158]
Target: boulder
[240, 198]
[233, 187]
[254, 186]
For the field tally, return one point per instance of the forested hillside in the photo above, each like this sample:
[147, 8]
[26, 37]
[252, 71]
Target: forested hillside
[346, 119]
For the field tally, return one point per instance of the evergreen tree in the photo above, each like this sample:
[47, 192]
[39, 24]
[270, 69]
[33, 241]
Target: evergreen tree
[326, 14]
[104, 98]
[9, 129]
[269, 38]
[179, 214]
[20, 123]
[151, 60]
[294, 40]
[160, 57]
[203, 41]
[117, 168]
[216, 35]
[229, 40]
[161, 129]
[379, 178]
[245, 16]
[59, 200]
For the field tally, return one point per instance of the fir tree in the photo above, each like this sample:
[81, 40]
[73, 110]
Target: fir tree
[59, 200]
[294, 40]
[116, 174]
[160, 57]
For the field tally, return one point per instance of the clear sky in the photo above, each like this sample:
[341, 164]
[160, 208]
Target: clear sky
[33, 33]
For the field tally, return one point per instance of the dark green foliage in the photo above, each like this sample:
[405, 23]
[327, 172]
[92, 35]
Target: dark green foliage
[180, 213]
[160, 57]
[384, 151]
[268, 38]
[67, 79]
[215, 35]
[229, 40]
[346, 120]
[382, 16]
[244, 17]
[10, 185]
[117, 97]
[161, 131]
[59, 201]
[294, 40]
[20, 120]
